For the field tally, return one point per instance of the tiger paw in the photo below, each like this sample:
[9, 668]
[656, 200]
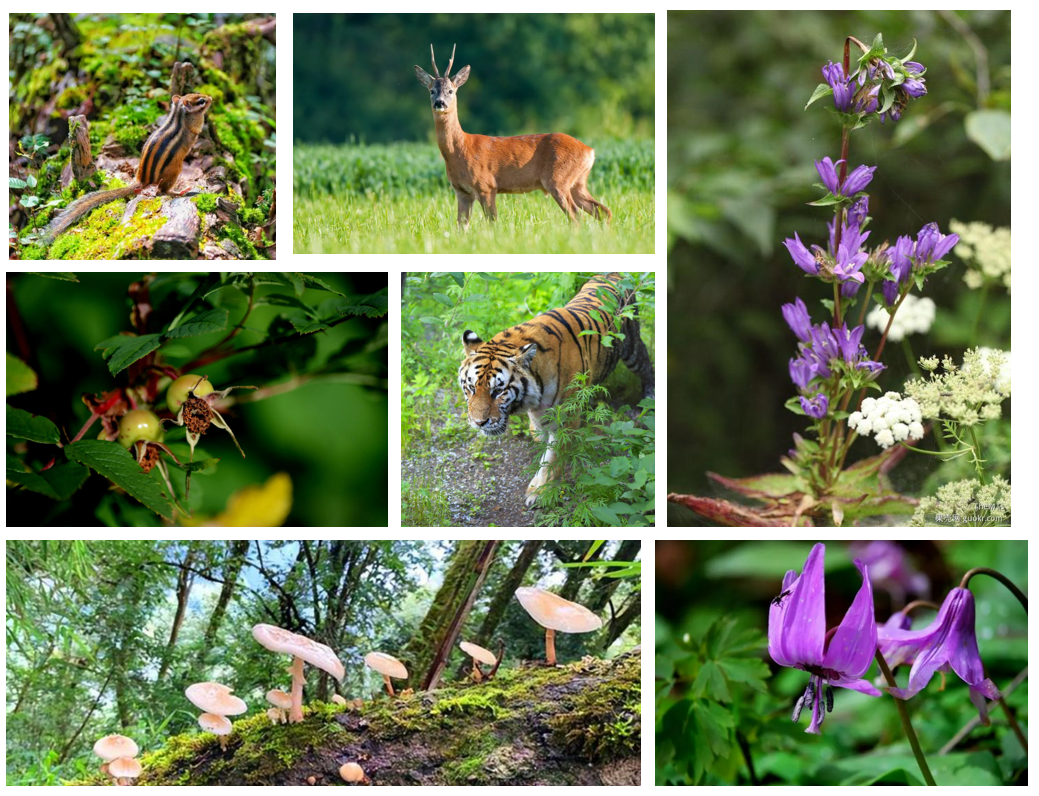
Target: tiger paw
[532, 491]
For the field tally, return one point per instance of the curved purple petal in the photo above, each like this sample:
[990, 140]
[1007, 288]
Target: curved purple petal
[776, 616]
[862, 686]
[855, 643]
[804, 616]
[828, 174]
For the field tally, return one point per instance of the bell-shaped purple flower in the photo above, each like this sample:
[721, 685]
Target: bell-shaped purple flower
[932, 245]
[857, 213]
[849, 341]
[816, 407]
[914, 68]
[801, 372]
[914, 87]
[858, 180]
[850, 261]
[797, 636]
[899, 255]
[828, 174]
[948, 643]
[796, 317]
[843, 91]
[890, 290]
[804, 259]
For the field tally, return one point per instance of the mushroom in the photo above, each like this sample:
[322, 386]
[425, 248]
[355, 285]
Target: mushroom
[352, 773]
[302, 649]
[388, 667]
[218, 725]
[276, 716]
[125, 770]
[479, 655]
[338, 700]
[555, 614]
[113, 747]
[281, 702]
[216, 703]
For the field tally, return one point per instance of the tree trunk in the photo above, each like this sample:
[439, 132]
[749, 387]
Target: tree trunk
[526, 558]
[576, 577]
[426, 654]
[573, 725]
[628, 614]
[238, 550]
[184, 583]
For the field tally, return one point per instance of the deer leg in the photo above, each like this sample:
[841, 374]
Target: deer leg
[583, 199]
[465, 208]
[564, 200]
[489, 204]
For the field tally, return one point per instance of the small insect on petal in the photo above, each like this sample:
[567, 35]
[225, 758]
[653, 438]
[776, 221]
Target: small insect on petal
[829, 699]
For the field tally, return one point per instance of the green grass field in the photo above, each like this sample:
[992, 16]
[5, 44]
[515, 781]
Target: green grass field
[396, 198]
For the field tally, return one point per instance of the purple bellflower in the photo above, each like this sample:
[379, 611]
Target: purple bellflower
[901, 267]
[850, 261]
[843, 91]
[858, 180]
[797, 637]
[948, 643]
[853, 183]
[816, 407]
[828, 174]
[801, 372]
[796, 317]
[804, 259]
[932, 245]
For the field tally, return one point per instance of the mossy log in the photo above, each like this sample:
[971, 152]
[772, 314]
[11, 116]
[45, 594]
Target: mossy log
[578, 724]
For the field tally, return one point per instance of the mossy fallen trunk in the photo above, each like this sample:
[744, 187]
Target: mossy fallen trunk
[578, 724]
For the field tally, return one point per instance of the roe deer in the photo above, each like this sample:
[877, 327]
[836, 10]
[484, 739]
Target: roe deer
[482, 166]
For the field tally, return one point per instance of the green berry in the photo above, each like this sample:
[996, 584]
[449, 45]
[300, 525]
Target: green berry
[178, 391]
[138, 424]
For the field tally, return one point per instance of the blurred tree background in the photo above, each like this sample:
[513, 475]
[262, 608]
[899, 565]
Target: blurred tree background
[716, 594]
[740, 152]
[591, 75]
[321, 417]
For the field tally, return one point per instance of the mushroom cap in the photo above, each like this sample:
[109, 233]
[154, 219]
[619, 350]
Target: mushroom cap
[125, 768]
[215, 698]
[277, 640]
[351, 772]
[112, 747]
[218, 725]
[478, 653]
[387, 665]
[274, 714]
[552, 612]
[338, 700]
[279, 699]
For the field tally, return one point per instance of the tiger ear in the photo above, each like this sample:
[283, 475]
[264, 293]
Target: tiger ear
[526, 354]
[471, 341]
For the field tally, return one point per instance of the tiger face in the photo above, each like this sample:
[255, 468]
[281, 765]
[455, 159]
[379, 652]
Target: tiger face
[496, 380]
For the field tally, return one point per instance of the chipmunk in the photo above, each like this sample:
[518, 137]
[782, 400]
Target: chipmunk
[161, 160]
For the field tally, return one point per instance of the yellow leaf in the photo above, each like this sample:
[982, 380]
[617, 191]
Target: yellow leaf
[265, 506]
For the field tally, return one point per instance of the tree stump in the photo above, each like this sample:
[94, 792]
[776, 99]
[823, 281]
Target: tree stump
[81, 163]
[183, 79]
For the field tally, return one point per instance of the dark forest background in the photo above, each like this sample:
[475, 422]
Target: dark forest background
[589, 74]
[740, 152]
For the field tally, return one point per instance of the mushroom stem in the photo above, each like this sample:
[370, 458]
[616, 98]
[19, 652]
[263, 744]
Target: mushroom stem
[550, 646]
[296, 711]
[477, 674]
[389, 685]
[223, 743]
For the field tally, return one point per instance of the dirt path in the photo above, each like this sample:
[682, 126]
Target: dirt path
[482, 477]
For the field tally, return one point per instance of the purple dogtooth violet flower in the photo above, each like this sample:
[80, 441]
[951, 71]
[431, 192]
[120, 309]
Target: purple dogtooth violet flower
[796, 317]
[797, 637]
[947, 644]
[891, 570]
[816, 407]
[803, 258]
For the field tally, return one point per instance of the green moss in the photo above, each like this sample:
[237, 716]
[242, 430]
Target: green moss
[251, 215]
[101, 236]
[71, 97]
[468, 764]
[472, 702]
[213, 91]
[131, 122]
[205, 202]
[34, 253]
[237, 235]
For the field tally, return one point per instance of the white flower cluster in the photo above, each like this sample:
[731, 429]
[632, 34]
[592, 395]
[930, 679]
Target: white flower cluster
[889, 419]
[985, 251]
[915, 316]
[1000, 380]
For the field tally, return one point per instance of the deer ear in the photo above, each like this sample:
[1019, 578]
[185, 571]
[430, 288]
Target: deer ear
[423, 76]
[461, 76]
[471, 341]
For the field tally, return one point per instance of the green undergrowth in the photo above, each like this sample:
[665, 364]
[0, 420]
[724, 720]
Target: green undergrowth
[103, 236]
[463, 734]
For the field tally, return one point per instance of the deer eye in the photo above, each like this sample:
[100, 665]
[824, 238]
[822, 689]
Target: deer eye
[450, 91]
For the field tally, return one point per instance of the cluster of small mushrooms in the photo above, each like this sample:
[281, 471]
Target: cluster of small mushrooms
[217, 702]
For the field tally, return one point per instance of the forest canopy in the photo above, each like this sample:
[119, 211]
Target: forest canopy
[105, 636]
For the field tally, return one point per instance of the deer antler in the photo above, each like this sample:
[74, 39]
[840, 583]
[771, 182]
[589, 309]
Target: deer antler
[433, 58]
[449, 63]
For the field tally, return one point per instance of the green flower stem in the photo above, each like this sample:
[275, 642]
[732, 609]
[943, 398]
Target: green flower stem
[865, 303]
[1021, 596]
[903, 714]
[1012, 721]
[977, 455]
[907, 347]
[977, 315]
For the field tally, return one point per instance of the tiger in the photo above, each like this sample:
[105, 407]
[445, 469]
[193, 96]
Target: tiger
[531, 366]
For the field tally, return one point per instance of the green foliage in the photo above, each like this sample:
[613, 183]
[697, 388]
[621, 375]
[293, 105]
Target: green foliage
[24, 425]
[20, 377]
[117, 465]
[582, 74]
[205, 202]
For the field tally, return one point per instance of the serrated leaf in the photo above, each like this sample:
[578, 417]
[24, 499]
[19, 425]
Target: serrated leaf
[749, 671]
[315, 282]
[206, 286]
[130, 350]
[64, 276]
[280, 300]
[710, 682]
[116, 464]
[714, 722]
[26, 425]
[57, 483]
[31, 180]
[20, 377]
[204, 323]
[373, 306]
[304, 326]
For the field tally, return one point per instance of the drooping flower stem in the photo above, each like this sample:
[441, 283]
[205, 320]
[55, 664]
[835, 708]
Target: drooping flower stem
[903, 714]
[1021, 596]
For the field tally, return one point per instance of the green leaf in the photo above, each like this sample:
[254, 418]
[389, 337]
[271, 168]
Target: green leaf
[304, 326]
[123, 350]
[64, 276]
[619, 465]
[203, 323]
[20, 377]
[31, 180]
[710, 682]
[314, 282]
[459, 278]
[826, 201]
[25, 425]
[57, 483]
[665, 669]
[477, 297]
[374, 306]
[205, 287]
[116, 464]
[279, 300]
[15, 184]
[443, 299]
[822, 90]
[203, 467]
[990, 129]
[605, 515]
[30, 201]
[748, 671]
